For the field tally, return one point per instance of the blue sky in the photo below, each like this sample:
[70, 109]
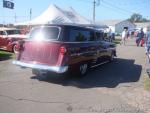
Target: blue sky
[107, 9]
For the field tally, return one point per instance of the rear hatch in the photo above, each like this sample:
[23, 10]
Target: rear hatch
[42, 47]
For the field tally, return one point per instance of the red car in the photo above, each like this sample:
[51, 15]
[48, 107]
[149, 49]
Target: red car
[63, 48]
[9, 38]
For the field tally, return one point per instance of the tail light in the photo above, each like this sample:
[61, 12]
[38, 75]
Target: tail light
[10, 41]
[63, 50]
[17, 47]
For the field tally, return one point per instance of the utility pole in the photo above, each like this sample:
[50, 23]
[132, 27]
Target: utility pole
[30, 13]
[15, 18]
[94, 4]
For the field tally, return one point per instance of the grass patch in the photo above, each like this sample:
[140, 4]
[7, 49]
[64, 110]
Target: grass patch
[6, 55]
[147, 84]
[117, 41]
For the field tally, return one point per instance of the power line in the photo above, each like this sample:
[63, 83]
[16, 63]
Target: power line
[85, 1]
[108, 5]
[112, 5]
[129, 3]
[13, 16]
[124, 10]
[114, 10]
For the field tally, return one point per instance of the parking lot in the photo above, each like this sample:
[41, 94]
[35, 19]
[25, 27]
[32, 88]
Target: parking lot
[115, 87]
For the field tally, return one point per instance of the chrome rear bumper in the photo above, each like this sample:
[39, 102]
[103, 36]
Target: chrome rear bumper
[57, 69]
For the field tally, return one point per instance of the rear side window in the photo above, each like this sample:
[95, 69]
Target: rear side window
[100, 36]
[2, 33]
[80, 36]
[12, 32]
[50, 33]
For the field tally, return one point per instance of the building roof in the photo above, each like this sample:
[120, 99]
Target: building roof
[110, 22]
[143, 24]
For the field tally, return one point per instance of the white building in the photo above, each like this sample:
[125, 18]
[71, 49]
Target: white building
[117, 26]
[143, 25]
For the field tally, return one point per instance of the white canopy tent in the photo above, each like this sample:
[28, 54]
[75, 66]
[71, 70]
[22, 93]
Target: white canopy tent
[56, 15]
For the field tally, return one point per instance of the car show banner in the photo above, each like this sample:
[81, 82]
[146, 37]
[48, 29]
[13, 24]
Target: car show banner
[8, 4]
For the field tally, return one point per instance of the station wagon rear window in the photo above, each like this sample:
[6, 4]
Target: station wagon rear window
[47, 33]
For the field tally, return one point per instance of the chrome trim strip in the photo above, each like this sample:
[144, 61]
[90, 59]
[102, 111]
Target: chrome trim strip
[57, 69]
[99, 64]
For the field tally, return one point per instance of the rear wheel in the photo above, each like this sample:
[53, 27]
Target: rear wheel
[15, 49]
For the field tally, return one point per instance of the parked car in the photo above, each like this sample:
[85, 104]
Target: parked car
[63, 48]
[9, 38]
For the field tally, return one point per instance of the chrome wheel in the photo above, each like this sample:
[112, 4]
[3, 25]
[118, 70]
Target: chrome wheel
[14, 49]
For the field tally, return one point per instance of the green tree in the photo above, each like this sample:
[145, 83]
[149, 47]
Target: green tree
[137, 18]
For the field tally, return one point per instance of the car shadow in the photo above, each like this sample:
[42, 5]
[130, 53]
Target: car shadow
[108, 75]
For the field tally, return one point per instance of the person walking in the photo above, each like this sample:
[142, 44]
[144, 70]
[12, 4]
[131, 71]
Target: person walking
[123, 36]
[140, 36]
[147, 47]
[110, 35]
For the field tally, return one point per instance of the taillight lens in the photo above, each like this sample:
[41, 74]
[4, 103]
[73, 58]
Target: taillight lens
[63, 50]
[17, 47]
[10, 41]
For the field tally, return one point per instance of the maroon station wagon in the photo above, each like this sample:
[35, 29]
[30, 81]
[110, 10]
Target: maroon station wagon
[63, 48]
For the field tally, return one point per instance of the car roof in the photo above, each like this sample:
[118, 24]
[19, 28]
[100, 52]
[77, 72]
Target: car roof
[70, 26]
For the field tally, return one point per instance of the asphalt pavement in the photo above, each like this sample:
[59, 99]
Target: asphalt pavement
[115, 87]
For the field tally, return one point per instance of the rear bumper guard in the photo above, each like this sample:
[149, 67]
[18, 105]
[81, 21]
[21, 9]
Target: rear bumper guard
[57, 69]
